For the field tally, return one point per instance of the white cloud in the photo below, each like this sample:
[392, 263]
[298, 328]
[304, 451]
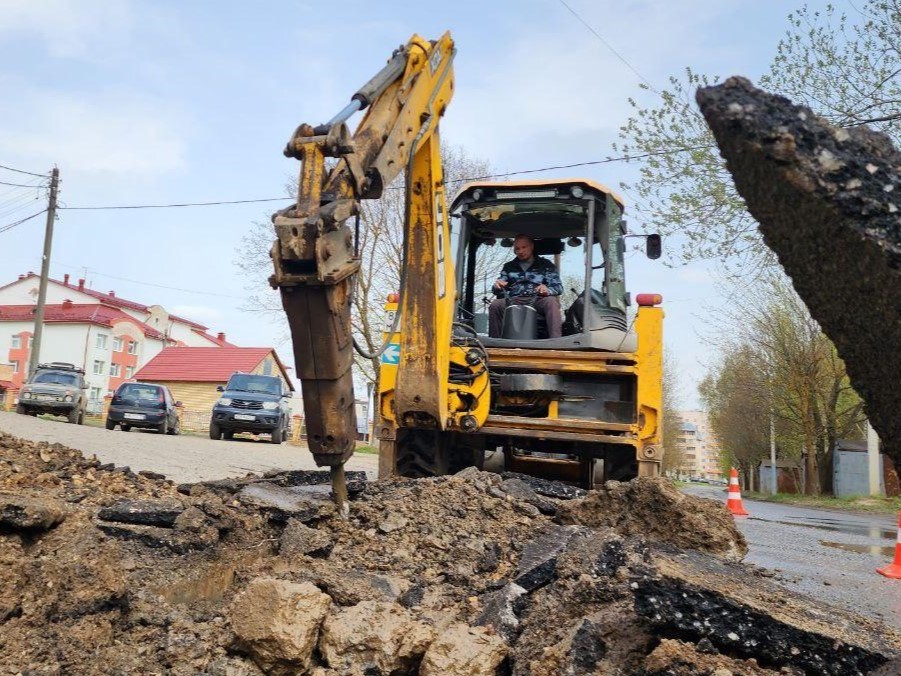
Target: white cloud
[68, 28]
[112, 132]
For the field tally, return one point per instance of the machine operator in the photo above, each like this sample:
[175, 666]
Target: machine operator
[527, 279]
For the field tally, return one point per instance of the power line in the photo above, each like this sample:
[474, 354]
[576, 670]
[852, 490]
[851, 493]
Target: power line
[610, 47]
[608, 160]
[21, 185]
[142, 283]
[22, 171]
[169, 206]
[10, 226]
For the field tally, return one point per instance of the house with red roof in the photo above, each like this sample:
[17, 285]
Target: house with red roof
[192, 374]
[110, 337]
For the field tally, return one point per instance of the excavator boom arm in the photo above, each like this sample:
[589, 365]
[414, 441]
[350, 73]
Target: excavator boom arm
[314, 254]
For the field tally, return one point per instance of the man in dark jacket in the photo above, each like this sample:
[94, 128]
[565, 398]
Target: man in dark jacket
[527, 278]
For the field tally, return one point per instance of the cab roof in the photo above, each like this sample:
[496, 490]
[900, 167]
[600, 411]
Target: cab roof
[540, 183]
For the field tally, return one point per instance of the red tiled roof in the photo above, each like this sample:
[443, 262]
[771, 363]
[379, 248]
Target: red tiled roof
[111, 300]
[6, 385]
[204, 364]
[75, 313]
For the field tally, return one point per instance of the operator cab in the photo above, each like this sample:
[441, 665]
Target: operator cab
[575, 224]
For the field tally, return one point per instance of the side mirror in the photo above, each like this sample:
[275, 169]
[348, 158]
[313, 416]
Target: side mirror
[178, 404]
[654, 246]
[219, 388]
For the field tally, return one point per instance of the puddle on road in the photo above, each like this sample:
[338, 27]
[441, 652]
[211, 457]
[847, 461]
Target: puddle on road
[875, 532]
[873, 550]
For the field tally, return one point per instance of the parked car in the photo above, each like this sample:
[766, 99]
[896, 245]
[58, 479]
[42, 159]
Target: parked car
[144, 405]
[58, 388]
[252, 403]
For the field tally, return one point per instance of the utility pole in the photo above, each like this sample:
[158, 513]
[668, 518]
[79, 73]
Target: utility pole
[775, 472]
[873, 464]
[45, 274]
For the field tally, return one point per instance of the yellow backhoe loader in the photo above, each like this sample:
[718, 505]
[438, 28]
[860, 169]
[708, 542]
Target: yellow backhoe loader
[577, 400]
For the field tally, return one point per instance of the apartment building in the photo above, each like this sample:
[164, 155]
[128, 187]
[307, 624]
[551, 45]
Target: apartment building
[699, 446]
[110, 337]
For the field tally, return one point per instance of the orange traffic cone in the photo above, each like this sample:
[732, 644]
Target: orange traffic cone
[733, 503]
[893, 569]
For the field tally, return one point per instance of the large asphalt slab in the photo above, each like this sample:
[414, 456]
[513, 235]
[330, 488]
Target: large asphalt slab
[831, 555]
[184, 459]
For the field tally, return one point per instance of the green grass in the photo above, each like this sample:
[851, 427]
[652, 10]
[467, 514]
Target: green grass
[369, 450]
[855, 503]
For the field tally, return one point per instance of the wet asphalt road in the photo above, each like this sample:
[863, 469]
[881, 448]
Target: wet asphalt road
[827, 554]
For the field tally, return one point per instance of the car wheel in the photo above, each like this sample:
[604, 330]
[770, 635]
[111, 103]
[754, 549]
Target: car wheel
[163, 427]
[176, 430]
[277, 436]
[125, 428]
[110, 425]
[215, 431]
[21, 410]
[73, 416]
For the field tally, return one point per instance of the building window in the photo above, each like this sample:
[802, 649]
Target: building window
[95, 393]
[30, 341]
[115, 370]
[17, 342]
[132, 347]
[129, 371]
[101, 341]
[15, 366]
[99, 367]
[117, 344]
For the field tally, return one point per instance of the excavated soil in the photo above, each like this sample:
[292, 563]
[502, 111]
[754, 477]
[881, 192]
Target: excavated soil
[103, 571]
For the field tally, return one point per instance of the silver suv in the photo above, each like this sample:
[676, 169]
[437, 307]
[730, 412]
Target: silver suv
[58, 388]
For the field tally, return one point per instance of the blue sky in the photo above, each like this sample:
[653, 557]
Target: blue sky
[143, 102]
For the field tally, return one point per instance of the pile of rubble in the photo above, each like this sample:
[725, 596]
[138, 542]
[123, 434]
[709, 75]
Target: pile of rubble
[106, 571]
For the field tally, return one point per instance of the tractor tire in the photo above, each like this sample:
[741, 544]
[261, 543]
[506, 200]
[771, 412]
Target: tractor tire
[215, 431]
[427, 453]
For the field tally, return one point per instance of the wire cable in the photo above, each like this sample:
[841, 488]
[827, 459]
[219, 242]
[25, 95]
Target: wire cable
[22, 171]
[608, 160]
[610, 47]
[21, 185]
[10, 226]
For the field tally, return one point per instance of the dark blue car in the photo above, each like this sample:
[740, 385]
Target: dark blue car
[252, 403]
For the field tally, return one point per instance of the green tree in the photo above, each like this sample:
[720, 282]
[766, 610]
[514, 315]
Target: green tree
[845, 69]
[671, 423]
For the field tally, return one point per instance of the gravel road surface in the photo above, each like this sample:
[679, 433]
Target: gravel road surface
[184, 459]
[828, 554]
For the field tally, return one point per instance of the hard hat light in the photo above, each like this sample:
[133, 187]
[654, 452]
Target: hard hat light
[393, 298]
[649, 299]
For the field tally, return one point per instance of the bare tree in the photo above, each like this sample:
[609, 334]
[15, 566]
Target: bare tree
[670, 422]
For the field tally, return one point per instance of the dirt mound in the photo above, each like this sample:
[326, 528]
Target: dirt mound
[655, 509]
[104, 571]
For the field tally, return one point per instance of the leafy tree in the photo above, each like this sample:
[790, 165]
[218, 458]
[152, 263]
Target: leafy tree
[847, 71]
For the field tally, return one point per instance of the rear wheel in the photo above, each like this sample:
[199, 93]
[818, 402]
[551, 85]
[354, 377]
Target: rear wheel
[215, 430]
[21, 410]
[177, 429]
[110, 425]
[125, 428]
[163, 427]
